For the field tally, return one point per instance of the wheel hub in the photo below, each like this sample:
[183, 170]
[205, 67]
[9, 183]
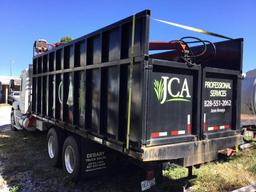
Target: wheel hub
[51, 150]
[69, 159]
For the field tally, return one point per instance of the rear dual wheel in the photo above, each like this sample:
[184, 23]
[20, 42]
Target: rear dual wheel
[54, 145]
[71, 158]
[63, 152]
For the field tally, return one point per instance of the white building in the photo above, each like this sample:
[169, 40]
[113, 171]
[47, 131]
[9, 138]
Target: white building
[4, 89]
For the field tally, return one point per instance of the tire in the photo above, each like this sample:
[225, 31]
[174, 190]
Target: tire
[54, 145]
[13, 122]
[71, 158]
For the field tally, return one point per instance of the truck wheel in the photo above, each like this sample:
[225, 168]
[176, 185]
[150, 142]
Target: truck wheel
[71, 158]
[13, 122]
[54, 145]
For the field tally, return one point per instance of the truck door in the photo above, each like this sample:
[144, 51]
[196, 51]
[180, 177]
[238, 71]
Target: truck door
[173, 91]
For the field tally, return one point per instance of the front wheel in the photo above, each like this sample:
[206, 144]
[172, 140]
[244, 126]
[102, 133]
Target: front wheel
[13, 122]
[71, 158]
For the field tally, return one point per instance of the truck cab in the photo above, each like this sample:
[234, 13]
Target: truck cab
[21, 100]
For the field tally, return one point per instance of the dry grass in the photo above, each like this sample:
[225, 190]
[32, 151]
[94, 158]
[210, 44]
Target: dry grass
[4, 136]
[222, 177]
[21, 152]
[237, 172]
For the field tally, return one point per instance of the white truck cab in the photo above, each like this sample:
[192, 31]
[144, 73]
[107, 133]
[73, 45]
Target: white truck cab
[20, 114]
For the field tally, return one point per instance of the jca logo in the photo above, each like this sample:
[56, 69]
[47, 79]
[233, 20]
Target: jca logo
[165, 92]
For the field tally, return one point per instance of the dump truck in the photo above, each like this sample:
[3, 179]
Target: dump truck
[114, 93]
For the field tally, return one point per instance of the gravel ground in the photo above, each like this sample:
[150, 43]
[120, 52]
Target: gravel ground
[24, 167]
[24, 164]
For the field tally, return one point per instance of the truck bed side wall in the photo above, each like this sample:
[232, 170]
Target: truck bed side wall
[84, 84]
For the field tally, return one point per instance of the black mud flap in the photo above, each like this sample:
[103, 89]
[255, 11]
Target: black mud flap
[96, 159]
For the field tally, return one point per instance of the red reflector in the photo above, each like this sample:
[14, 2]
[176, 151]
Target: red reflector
[153, 135]
[216, 128]
[189, 129]
[226, 126]
[174, 133]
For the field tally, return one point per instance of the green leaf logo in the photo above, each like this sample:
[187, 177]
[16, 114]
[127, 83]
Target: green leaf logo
[166, 93]
[159, 89]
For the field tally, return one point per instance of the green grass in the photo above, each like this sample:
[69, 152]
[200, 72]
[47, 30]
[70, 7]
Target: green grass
[176, 172]
[237, 172]
[14, 189]
[249, 139]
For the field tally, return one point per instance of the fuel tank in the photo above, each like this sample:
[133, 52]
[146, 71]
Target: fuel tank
[248, 100]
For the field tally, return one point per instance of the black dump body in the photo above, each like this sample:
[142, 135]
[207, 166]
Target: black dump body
[177, 111]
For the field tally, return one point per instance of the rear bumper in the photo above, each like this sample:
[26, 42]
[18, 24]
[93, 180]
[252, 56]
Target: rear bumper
[192, 153]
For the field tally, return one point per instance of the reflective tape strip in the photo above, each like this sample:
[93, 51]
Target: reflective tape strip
[217, 128]
[174, 133]
[222, 127]
[204, 122]
[178, 132]
[226, 126]
[162, 134]
[189, 124]
[153, 135]
[159, 134]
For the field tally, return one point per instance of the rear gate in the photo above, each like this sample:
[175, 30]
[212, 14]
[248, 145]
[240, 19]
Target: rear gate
[219, 92]
[173, 98]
